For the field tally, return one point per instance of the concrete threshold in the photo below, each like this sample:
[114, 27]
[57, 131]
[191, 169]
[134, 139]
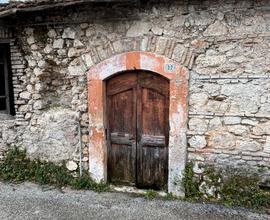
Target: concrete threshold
[132, 189]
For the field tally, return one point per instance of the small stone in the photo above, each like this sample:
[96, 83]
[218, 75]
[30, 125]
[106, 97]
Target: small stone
[262, 129]
[38, 105]
[216, 29]
[238, 130]
[266, 147]
[78, 44]
[157, 31]
[76, 70]
[85, 138]
[200, 44]
[212, 89]
[226, 47]
[118, 46]
[30, 40]
[42, 64]
[211, 191]
[85, 151]
[83, 108]
[220, 16]
[178, 52]
[161, 45]
[58, 44]
[210, 60]
[221, 139]
[249, 122]
[197, 125]
[71, 165]
[90, 32]
[232, 120]
[32, 63]
[25, 95]
[84, 25]
[23, 108]
[72, 52]
[85, 159]
[198, 99]
[62, 52]
[38, 71]
[87, 59]
[39, 87]
[263, 99]
[238, 59]
[48, 49]
[69, 33]
[28, 116]
[248, 146]
[36, 96]
[30, 88]
[138, 29]
[52, 33]
[215, 123]
[34, 47]
[197, 142]
[197, 169]
[144, 44]
[29, 31]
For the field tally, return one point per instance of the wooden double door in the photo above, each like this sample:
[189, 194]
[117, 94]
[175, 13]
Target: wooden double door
[138, 129]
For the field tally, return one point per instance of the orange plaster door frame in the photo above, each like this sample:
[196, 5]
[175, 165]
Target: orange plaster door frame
[178, 111]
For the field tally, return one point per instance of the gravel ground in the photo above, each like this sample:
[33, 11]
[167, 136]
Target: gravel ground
[30, 201]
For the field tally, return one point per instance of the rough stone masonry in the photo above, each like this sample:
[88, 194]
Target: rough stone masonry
[224, 44]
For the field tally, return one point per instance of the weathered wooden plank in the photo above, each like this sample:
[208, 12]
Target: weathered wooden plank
[122, 128]
[152, 140]
[153, 128]
[122, 138]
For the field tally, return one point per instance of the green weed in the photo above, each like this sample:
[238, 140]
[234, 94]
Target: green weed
[17, 167]
[190, 183]
[233, 188]
[150, 194]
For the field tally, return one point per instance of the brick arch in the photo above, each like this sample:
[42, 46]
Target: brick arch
[171, 48]
[178, 110]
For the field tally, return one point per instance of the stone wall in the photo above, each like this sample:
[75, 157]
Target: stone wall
[225, 46]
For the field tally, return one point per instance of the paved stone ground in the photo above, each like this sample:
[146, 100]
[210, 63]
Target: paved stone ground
[29, 201]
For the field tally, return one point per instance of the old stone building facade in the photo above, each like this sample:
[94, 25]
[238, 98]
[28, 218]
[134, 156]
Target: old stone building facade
[214, 54]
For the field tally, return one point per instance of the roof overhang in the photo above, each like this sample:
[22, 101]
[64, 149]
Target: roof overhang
[14, 8]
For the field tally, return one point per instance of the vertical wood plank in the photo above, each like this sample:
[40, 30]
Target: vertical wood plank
[153, 123]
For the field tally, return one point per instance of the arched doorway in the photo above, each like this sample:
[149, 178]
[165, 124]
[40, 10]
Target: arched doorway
[137, 104]
[177, 77]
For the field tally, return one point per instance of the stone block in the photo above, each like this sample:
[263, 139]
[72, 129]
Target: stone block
[69, 33]
[221, 139]
[262, 129]
[197, 142]
[55, 138]
[58, 44]
[52, 33]
[25, 95]
[231, 120]
[71, 165]
[216, 29]
[198, 100]
[138, 29]
[197, 125]
[238, 130]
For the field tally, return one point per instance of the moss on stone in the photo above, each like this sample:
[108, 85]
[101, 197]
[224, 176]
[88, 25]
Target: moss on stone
[230, 187]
